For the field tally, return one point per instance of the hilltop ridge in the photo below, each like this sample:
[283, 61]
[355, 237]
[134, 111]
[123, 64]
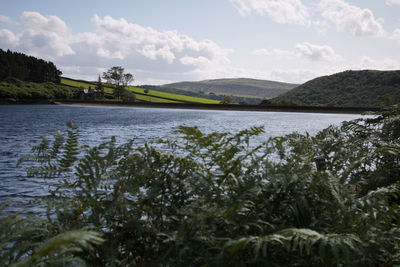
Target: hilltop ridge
[365, 88]
[251, 88]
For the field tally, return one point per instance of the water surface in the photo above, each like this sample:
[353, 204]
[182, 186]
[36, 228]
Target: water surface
[22, 125]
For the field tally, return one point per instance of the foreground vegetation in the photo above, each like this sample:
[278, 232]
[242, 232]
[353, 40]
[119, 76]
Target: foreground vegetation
[367, 88]
[216, 199]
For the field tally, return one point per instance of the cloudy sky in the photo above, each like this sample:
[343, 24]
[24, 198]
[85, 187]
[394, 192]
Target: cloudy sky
[161, 41]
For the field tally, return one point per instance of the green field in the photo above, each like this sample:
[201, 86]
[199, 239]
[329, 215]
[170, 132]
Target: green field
[151, 96]
[75, 83]
[181, 98]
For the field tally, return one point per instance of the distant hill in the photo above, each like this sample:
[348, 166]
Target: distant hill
[250, 88]
[366, 88]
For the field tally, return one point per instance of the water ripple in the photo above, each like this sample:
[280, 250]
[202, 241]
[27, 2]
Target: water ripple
[22, 125]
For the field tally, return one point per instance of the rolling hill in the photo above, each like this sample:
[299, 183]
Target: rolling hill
[249, 88]
[366, 88]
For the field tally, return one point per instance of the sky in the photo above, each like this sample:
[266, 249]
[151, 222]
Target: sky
[163, 41]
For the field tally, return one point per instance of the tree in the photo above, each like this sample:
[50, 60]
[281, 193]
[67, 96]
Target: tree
[115, 75]
[119, 91]
[100, 86]
[227, 100]
[127, 79]
[27, 68]
[128, 97]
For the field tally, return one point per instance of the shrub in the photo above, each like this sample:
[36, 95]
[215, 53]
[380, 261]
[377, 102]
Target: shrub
[216, 199]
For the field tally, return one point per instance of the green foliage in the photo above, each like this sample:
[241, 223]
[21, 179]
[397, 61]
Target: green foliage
[27, 68]
[31, 241]
[119, 91]
[115, 75]
[227, 100]
[128, 97]
[16, 91]
[274, 102]
[217, 199]
[349, 89]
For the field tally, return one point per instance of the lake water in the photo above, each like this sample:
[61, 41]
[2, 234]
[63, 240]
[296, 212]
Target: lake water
[22, 125]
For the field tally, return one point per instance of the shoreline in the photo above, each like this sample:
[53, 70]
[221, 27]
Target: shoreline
[306, 109]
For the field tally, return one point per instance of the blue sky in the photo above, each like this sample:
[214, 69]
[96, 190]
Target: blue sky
[161, 41]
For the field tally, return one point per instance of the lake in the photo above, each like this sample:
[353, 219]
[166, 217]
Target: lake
[22, 125]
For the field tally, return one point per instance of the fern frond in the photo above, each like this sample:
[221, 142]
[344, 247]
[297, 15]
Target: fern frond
[301, 241]
[71, 148]
[61, 247]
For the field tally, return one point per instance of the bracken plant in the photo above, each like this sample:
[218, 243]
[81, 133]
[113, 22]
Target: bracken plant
[216, 200]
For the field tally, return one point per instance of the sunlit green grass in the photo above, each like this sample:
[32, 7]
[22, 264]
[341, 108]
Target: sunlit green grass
[151, 96]
[76, 83]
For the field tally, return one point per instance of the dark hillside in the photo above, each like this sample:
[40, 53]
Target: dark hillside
[27, 79]
[367, 88]
[27, 68]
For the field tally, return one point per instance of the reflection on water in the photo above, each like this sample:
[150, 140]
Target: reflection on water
[22, 125]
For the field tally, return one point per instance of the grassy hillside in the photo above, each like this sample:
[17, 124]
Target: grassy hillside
[17, 91]
[141, 95]
[250, 88]
[367, 88]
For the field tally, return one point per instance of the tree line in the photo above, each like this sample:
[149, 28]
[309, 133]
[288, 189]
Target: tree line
[14, 65]
[26, 78]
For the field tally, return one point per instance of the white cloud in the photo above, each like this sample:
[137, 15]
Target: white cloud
[393, 2]
[51, 24]
[195, 61]
[132, 39]
[281, 11]
[305, 50]
[357, 21]
[272, 52]
[40, 36]
[141, 50]
[153, 53]
[5, 19]
[316, 52]
[8, 39]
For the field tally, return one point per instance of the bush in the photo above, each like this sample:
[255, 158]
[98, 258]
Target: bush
[21, 91]
[128, 97]
[214, 199]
